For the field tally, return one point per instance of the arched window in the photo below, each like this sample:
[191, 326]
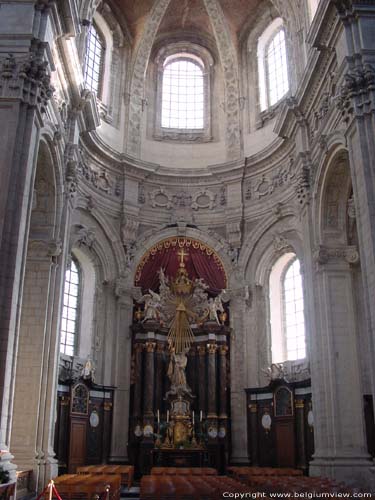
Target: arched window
[183, 93]
[70, 316]
[294, 322]
[94, 58]
[272, 65]
[287, 310]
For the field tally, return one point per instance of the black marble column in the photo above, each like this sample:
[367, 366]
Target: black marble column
[159, 377]
[253, 434]
[62, 447]
[137, 403]
[300, 433]
[211, 393]
[201, 349]
[223, 349]
[107, 422]
[148, 391]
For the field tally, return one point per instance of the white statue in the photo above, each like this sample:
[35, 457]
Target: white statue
[215, 305]
[152, 306]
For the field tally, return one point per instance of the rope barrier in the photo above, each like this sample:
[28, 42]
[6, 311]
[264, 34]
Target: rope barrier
[105, 495]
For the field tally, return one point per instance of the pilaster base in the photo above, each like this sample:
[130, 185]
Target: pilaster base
[44, 469]
[6, 464]
[355, 470]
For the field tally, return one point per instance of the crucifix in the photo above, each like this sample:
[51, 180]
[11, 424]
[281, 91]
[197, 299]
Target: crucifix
[182, 254]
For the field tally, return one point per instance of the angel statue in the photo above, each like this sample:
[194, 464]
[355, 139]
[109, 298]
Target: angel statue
[215, 305]
[152, 306]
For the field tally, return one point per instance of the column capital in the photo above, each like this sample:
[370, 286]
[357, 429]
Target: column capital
[212, 348]
[323, 255]
[150, 346]
[138, 347]
[26, 77]
[253, 407]
[223, 349]
[201, 350]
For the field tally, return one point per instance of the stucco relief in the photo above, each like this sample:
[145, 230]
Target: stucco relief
[230, 69]
[139, 71]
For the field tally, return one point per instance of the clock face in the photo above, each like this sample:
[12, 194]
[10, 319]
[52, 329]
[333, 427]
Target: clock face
[212, 432]
[310, 418]
[138, 431]
[266, 421]
[222, 432]
[94, 419]
[148, 430]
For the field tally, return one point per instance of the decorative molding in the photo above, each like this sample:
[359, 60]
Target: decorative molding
[322, 255]
[42, 248]
[161, 198]
[230, 70]
[27, 78]
[203, 199]
[139, 70]
[355, 92]
[100, 179]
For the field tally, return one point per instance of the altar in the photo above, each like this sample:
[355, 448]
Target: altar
[176, 457]
[180, 365]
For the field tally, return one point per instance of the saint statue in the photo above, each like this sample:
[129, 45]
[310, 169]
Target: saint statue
[176, 372]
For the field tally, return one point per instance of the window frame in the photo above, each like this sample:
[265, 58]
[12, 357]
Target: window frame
[266, 69]
[284, 272]
[182, 51]
[77, 325]
[263, 42]
[101, 37]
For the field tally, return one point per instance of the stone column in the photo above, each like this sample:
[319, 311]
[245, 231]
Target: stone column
[356, 101]
[299, 406]
[339, 424]
[121, 365]
[238, 368]
[253, 407]
[202, 378]
[24, 92]
[223, 415]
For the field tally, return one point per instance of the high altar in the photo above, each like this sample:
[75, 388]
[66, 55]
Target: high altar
[180, 368]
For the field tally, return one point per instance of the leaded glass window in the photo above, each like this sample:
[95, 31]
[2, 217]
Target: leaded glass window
[93, 60]
[69, 321]
[183, 94]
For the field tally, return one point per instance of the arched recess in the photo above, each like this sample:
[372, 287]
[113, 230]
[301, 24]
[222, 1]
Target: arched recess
[269, 241]
[338, 355]
[95, 241]
[151, 238]
[35, 386]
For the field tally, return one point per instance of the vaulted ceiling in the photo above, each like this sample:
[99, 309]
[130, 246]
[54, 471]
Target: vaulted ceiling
[188, 15]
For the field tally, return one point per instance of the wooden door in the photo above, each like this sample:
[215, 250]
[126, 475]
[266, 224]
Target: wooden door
[285, 443]
[77, 443]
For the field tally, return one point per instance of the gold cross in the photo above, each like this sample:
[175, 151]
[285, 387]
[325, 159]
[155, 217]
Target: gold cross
[182, 254]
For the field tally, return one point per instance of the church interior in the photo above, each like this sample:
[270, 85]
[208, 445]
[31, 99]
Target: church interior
[187, 248]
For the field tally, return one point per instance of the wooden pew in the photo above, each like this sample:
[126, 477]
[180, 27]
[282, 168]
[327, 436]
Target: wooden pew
[126, 472]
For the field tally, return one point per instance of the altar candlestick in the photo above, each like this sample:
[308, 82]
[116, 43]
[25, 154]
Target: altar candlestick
[167, 416]
[158, 417]
[201, 416]
[193, 419]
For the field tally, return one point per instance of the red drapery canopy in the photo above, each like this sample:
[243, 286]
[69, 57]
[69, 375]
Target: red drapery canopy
[201, 262]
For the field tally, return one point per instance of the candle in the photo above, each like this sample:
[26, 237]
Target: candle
[158, 417]
[193, 419]
[201, 415]
[167, 416]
